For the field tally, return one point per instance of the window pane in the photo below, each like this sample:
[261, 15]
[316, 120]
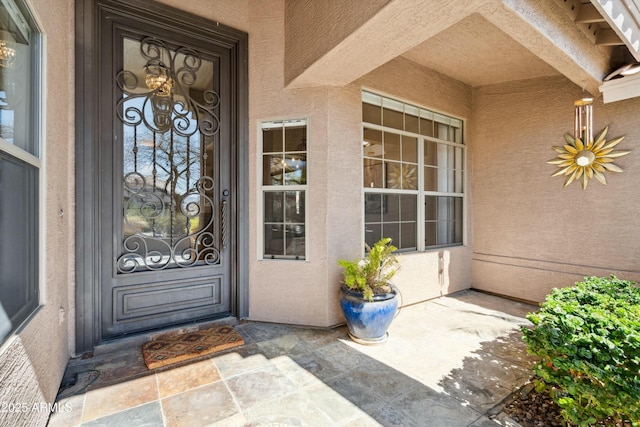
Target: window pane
[430, 153]
[448, 184]
[372, 143]
[408, 216]
[373, 207]
[284, 217]
[393, 216]
[372, 233]
[442, 153]
[426, 127]
[411, 120]
[371, 113]
[408, 211]
[430, 208]
[391, 146]
[408, 235]
[273, 206]
[373, 173]
[18, 241]
[390, 207]
[295, 241]
[402, 176]
[272, 170]
[392, 230]
[443, 233]
[409, 176]
[445, 208]
[458, 209]
[273, 240]
[392, 118]
[430, 234]
[294, 207]
[430, 179]
[409, 149]
[393, 173]
[295, 138]
[459, 161]
[443, 220]
[295, 169]
[458, 135]
[272, 140]
[18, 80]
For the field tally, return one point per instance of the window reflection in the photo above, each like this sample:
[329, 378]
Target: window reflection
[284, 180]
[169, 129]
[410, 154]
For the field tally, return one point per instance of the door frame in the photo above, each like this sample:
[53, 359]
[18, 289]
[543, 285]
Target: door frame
[88, 125]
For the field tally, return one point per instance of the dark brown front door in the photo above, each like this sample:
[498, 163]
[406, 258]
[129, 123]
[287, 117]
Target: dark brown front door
[161, 195]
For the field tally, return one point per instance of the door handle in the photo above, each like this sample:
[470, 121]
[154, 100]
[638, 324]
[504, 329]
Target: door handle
[223, 224]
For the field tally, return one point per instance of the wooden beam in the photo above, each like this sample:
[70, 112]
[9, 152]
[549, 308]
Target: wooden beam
[608, 37]
[588, 14]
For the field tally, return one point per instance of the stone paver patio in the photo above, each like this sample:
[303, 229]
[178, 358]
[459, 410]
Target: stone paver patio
[448, 362]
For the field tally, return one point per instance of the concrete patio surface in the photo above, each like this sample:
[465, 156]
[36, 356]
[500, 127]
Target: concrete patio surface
[448, 362]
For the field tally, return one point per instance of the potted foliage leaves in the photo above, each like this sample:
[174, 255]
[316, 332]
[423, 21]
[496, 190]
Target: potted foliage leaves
[369, 300]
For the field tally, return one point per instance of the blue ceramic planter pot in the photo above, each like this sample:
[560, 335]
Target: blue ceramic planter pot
[368, 321]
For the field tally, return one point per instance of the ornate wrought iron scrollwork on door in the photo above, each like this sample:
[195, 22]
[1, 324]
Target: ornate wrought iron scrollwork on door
[169, 127]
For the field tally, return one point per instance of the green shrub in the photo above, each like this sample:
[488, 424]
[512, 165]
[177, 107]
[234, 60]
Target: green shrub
[588, 340]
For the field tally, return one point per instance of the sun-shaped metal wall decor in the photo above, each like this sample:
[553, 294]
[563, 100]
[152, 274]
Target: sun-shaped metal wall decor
[580, 162]
[584, 157]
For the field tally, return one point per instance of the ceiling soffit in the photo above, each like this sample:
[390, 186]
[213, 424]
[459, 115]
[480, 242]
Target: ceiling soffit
[495, 40]
[478, 53]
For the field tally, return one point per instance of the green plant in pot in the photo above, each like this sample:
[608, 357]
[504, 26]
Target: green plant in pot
[369, 300]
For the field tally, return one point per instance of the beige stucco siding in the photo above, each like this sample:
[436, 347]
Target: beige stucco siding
[33, 361]
[313, 27]
[530, 233]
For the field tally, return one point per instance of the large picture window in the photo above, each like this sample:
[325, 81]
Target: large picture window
[19, 165]
[284, 189]
[413, 170]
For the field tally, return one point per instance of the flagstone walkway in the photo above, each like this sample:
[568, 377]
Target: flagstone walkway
[448, 362]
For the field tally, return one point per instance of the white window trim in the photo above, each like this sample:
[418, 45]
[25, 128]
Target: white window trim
[420, 192]
[261, 189]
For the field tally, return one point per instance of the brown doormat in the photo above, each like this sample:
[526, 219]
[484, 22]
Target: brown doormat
[170, 349]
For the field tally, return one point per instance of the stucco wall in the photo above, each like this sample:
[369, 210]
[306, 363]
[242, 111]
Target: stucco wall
[312, 27]
[530, 233]
[33, 361]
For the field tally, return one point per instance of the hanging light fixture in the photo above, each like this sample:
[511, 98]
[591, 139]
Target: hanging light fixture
[158, 78]
[583, 157]
[7, 50]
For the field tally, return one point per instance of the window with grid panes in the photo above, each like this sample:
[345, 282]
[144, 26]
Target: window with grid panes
[20, 165]
[413, 170]
[284, 188]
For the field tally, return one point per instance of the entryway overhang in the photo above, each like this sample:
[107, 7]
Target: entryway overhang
[478, 42]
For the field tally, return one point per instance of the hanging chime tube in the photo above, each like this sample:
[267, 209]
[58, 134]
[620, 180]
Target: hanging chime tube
[583, 122]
